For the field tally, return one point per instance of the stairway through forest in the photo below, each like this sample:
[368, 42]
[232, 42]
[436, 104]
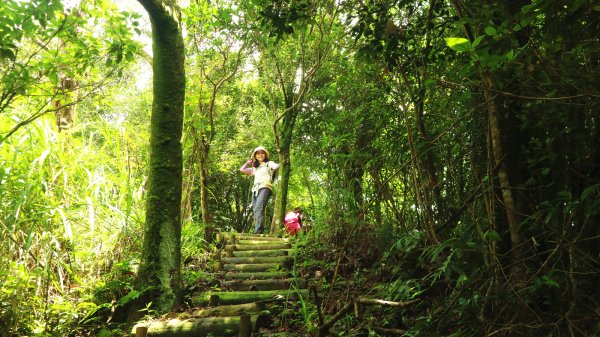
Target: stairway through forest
[256, 272]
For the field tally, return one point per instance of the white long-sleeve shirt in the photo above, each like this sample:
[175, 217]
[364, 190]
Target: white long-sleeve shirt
[263, 175]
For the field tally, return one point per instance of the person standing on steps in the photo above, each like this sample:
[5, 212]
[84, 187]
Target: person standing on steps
[262, 169]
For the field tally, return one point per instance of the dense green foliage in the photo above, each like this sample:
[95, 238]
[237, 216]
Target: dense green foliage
[444, 151]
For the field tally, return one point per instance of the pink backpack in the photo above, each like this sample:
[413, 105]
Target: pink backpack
[292, 222]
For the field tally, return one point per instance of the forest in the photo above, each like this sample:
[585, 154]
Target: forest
[445, 154]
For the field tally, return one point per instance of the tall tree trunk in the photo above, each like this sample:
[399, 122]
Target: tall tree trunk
[360, 153]
[381, 193]
[427, 154]
[293, 94]
[206, 215]
[425, 177]
[207, 134]
[353, 174]
[417, 173]
[499, 157]
[189, 181]
[161, 257]
[503, 177]
[283, 140]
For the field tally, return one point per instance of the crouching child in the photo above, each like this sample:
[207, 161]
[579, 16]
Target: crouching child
[293, 221]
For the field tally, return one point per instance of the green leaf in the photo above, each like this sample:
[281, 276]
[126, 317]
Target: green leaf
[129, 297]
[510, 55]
[53, 76]
[528, 8]
[550, 282]
[587, 191]
[477, 41]
[492, 236]
[491, 31]
[458, 44]
[576, 5]
[8, 54]
[545, 171]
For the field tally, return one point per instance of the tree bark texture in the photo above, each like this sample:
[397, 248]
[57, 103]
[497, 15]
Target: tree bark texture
[161, 257]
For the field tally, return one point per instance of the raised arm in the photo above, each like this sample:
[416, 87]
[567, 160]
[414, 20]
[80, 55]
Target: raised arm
[247, 170]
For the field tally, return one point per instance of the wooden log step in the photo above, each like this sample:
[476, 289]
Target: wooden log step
[270, 284]
[264, 238]
[217, 326]
[239, 297]
[259, 235]
[269, 246]
[256, 259]
[275, 252]
[256, 275]
[256, 267]
[228, 235]
[230, 310]
[260, 241]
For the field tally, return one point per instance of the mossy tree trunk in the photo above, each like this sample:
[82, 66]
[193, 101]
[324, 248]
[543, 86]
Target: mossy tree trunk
[161, 258]
[283, 142]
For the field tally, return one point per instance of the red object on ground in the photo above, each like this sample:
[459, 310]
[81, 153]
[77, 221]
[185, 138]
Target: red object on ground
[292, 222]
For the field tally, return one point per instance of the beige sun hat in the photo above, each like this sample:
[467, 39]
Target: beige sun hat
[260, 148]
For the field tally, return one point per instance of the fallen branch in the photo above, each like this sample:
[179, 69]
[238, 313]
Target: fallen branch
[362, 302]
[369, 301]
[314, 290]
[388, 331]
[323, 329]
